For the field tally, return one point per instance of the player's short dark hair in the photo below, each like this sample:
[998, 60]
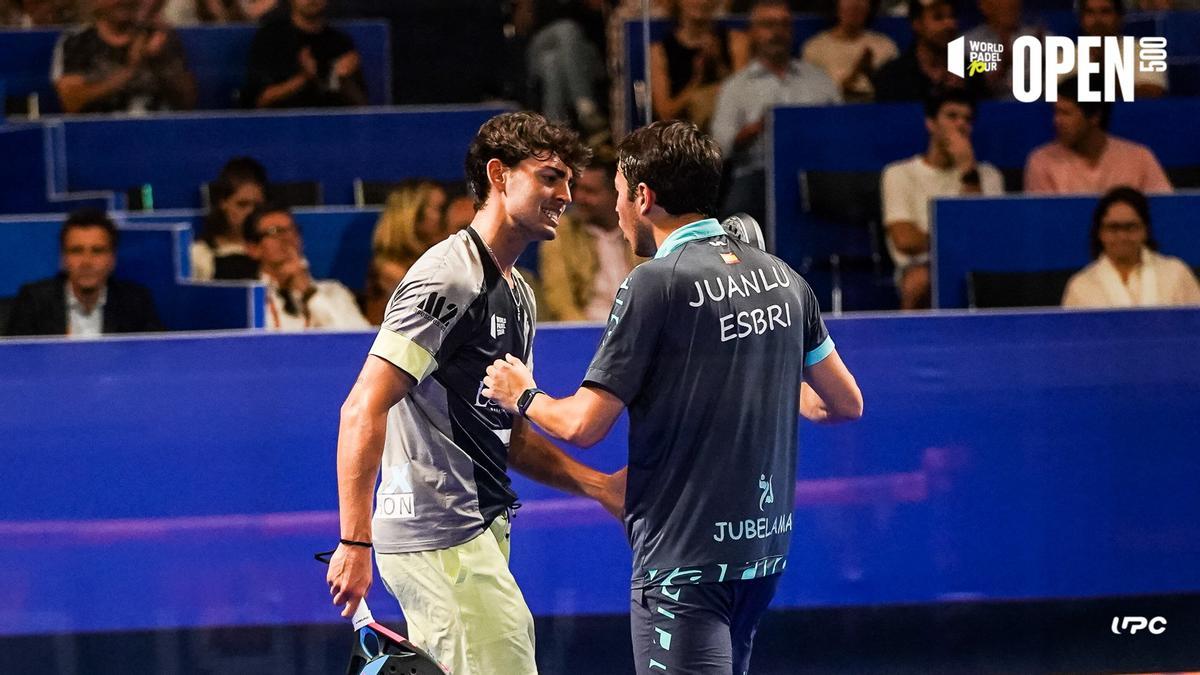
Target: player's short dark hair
[513, 137]
[88, 217]
[250, 227]
[934, 102]
[1120, 195]
[678, 161]
[1068, 90]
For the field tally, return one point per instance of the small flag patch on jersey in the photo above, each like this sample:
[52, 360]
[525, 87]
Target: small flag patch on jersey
[730, 258]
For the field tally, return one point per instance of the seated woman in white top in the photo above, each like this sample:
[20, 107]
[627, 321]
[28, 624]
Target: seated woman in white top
[219, 251]
[1127, 271]
[848, 52]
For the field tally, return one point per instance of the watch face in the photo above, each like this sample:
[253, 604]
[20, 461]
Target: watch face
[525, 399]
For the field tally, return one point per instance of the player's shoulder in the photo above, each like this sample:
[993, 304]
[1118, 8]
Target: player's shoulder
[455, 264]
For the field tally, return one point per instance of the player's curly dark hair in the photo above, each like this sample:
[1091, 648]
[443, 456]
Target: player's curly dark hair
[513, 137]
[678, 161]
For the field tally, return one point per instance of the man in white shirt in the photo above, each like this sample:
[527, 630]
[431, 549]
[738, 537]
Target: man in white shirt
[774, 78]
[948, 167]
[294, 300]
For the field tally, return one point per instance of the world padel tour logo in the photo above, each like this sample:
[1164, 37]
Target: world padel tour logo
[1038, 64]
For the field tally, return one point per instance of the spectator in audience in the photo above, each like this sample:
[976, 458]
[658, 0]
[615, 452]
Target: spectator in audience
[585, 263]
[773, 78]
[84, 300]
[189, 12]
[1127, 271]
[1084, 157]
[848, 52]
[565, 62]
[411, 223]
[1102, 18]
[948, 167]
[294, 300]
[304, 63]
[117, 64]
[1002, 25]
[689, 63]
[36, 13]
[262, 10]
[920, 73]
[219, 251]
[460, 210]
[825, 7]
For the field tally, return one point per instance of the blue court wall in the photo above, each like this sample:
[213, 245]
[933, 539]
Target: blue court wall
[216, 55]
[26, 184]
[186, 481]
[1030, 234]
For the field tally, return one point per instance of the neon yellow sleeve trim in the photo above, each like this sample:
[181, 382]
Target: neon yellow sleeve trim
[400, 351]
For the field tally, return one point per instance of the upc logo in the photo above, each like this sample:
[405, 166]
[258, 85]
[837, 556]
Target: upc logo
[1039, 63]
[1130, 625]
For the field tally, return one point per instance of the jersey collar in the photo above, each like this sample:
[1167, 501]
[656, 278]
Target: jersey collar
[701, 229]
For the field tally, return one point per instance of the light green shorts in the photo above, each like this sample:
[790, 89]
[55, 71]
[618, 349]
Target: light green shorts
[463, 605]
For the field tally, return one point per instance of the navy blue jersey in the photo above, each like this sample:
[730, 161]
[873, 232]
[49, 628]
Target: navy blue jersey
[706, 347]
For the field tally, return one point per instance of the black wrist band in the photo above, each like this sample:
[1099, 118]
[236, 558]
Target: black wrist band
[350, 542]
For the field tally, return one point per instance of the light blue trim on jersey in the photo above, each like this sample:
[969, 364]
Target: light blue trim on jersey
[818, 355]
[701, 229]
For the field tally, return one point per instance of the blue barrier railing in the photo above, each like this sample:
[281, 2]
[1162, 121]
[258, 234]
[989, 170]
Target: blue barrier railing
[1040, 455]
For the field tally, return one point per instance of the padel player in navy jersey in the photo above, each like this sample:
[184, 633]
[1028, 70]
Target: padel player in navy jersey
[707, 346]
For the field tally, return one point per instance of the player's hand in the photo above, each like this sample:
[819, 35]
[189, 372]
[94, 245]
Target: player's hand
[349, 577]
[612, 497]
[505, 382]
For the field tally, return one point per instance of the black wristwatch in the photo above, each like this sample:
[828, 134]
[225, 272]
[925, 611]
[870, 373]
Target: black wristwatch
[526, 399]
[971, 177]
